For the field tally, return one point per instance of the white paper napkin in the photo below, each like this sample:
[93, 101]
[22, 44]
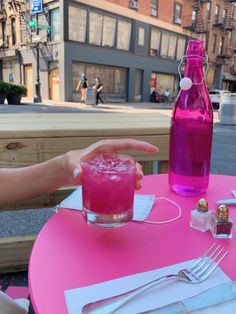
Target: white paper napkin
[142, 203]
[160, 295]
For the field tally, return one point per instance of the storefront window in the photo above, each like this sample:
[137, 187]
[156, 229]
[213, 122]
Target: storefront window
[123, 35]
[138, 85]
[55, 25]
[120, 77]
[161, 82]
[155, 42]
[77, 24]
[95, 28]
[113, 79]
[77, 70]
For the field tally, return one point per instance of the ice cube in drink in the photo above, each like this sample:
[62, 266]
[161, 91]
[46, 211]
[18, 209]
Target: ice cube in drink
[108, 189]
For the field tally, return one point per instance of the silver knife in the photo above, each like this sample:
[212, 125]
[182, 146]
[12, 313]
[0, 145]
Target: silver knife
[210, 297]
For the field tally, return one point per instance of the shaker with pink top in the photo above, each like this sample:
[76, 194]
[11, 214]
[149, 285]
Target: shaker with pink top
[191, 128]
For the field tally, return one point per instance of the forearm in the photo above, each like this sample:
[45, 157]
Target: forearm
[29, 182]
[78, 86]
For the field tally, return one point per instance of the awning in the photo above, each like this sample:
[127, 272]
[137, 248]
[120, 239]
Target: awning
[229, 77]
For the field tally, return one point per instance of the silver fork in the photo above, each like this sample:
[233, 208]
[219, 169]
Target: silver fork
[196, 273]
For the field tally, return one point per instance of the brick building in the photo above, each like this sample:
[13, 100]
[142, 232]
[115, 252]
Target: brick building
[132, 45]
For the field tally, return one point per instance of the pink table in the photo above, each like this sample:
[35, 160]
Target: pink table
[68, 253]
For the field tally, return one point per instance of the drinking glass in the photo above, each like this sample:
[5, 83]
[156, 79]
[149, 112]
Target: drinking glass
[108, 185]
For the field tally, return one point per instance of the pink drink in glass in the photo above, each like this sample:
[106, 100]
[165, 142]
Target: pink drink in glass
[108, 189]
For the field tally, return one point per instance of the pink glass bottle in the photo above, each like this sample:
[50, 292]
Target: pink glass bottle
[191, 129]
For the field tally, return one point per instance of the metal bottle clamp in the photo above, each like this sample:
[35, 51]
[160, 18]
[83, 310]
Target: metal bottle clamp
[183, 62]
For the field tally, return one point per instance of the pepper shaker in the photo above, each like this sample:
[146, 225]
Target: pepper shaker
[200, 216]
[221, 223]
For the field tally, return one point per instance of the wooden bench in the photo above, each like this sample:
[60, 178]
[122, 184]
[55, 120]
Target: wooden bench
[29, 138]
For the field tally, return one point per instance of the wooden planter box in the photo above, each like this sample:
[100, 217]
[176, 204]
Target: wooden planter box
[31, 138]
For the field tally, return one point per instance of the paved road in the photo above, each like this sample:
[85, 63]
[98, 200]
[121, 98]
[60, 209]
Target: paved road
[223, 159]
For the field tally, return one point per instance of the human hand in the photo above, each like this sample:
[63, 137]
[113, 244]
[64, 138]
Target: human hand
[73, 158]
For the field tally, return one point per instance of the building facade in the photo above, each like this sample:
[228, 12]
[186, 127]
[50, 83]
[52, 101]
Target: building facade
[133, 46]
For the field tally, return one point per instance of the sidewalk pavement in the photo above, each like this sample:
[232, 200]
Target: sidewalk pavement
[49, 106]
[28, 104]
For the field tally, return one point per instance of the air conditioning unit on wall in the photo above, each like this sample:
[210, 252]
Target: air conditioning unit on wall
[153, 12]
[133, 4]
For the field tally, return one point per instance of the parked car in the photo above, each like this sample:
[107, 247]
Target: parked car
[216, 97]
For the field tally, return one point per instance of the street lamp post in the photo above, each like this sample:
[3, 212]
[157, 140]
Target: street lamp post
[37, 97]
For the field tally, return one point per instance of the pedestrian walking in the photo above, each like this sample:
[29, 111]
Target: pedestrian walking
[82, 85]
[98, 88]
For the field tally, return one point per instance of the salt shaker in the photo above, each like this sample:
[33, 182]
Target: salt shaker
[200, 216]
[221, 223]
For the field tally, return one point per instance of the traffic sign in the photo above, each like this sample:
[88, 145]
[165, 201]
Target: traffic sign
[36, 6]
[32, 23]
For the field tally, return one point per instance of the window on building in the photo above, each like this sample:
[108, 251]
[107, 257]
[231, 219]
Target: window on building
[141, 36]
[114, 79]
[108, 31]
[123, 35]
[95, 28]
[177, 13]
[77, 24]
[217, 13]
[13, 31]
[230, 37]
[221, 45]
[180, 48]
[154, 7]
[154, 4]
[155, 42]
[233, 12]
[224, 15]
[55, 25]
[101, 30]
[206, 42]
[98, 29]
[208, 10]
[168, 45]
[4, 35]
[214, 42]
[210, 76]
